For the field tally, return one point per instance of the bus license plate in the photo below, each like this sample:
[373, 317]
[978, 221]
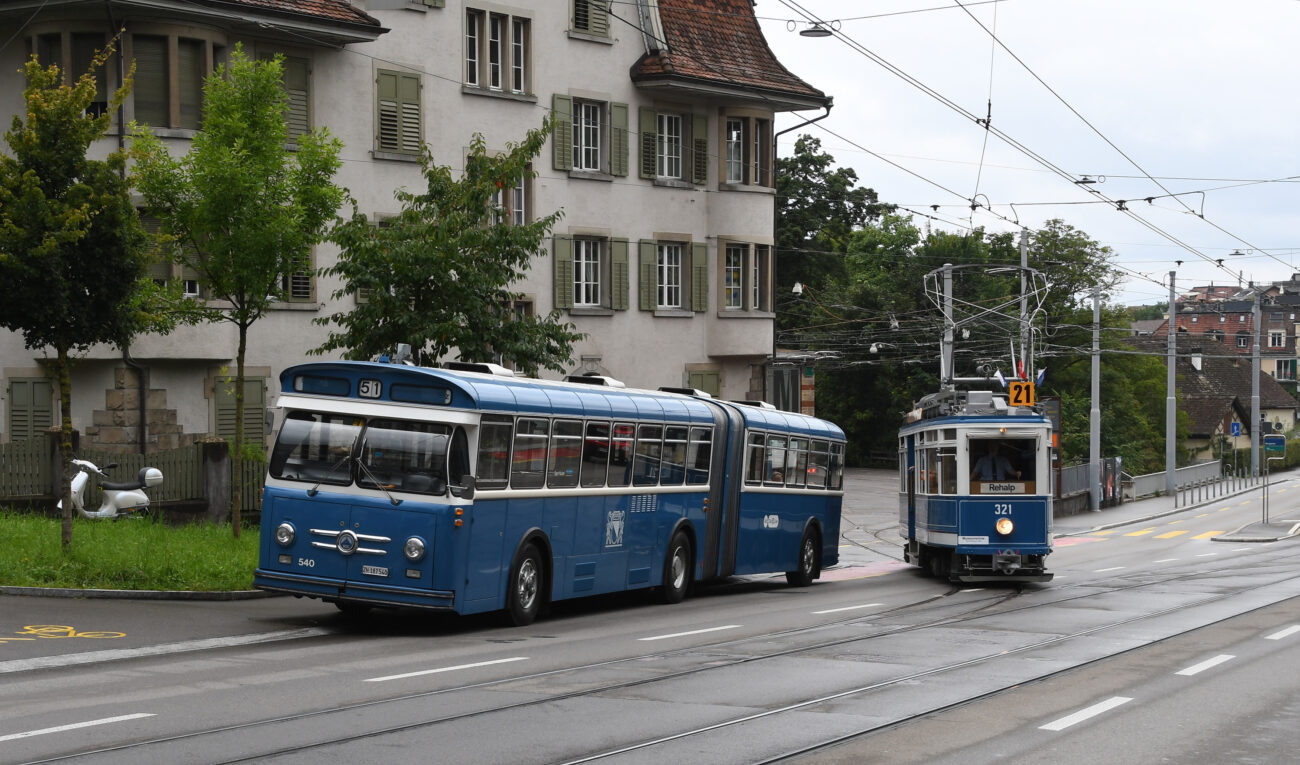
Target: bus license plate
[374, 571]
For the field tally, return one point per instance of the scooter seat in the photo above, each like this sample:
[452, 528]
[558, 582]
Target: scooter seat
[140, 482]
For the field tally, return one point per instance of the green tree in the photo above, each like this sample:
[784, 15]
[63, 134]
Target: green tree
[244, 208]
[817, 209]
[72, 251]
[438, 275]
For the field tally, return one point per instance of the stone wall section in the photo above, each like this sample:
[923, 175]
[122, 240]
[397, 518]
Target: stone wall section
[116, 427]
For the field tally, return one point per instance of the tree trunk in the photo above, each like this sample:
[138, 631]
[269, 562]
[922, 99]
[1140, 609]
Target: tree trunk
[237, 458]
[64, 378]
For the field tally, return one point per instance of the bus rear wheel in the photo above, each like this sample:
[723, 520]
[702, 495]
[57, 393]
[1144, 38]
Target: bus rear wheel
[808, 569]
[677, 570]
[524, 598]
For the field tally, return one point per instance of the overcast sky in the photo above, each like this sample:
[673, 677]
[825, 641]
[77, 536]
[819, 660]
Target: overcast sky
[1198, 94]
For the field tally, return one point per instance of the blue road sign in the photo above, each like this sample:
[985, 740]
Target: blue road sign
[1236, 428]
[1275, 443]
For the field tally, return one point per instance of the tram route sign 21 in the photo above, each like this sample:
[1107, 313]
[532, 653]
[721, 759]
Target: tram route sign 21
[1020, 393]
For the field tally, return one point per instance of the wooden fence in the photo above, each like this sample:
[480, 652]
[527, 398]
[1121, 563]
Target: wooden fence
[28, 473]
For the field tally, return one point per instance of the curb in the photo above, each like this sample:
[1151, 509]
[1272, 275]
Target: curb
[62, 592]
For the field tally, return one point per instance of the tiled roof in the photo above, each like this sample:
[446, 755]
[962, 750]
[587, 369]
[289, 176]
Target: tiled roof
[719, 42]
[325, 10]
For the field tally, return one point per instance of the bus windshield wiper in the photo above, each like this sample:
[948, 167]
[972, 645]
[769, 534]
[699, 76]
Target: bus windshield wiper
[312, 491]
[381, 486]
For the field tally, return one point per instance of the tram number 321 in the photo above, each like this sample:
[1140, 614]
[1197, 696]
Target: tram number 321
[1000, 509]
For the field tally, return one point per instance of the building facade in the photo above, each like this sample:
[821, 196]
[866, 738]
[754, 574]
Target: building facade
[662, 162]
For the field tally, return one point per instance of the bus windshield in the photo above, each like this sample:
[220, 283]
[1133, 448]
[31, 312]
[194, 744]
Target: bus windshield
[398, 455]
[315, 447]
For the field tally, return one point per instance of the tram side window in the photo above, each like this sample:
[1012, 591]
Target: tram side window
[796, 463]
[620, 454]
[494, 452]
[595, 454]
[315, 447]
[528, 462]
[818, 465]
[947, 469]
[400, 455]
[756, 469]
[649, 446]
[674, 456]
[566, 454]
[775, 468]
[698, 456]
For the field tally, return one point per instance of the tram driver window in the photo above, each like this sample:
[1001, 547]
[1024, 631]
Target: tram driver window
[1001, 459]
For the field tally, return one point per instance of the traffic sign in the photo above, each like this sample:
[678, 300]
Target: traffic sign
[1275, 443]
[1236, 429]
[1020, 393]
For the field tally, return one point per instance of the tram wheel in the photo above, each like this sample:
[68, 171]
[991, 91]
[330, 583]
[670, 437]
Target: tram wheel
[677, 570]
[939, 563]
[808, 569]
[524, 598]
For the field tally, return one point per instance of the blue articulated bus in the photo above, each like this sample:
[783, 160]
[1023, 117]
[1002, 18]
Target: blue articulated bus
[975, 494]
[472, 491]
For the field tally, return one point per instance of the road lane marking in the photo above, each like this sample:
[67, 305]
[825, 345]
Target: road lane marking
[1239, 549]
[1209, 534]
[1288, 632]
[1202, 515]
[74, 726]
[1165, 560]
[445, 669]
[1103, 532]
[1140, 532]
[848, 608]
[1207, 664]
[94, 657]
[692, 632]
[1171, 534]
[1206, 555]
[972, 589]
[1086, 714]
[1104, 570]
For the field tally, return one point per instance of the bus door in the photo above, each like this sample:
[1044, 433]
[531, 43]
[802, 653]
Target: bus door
[908, 468]
[724, 493]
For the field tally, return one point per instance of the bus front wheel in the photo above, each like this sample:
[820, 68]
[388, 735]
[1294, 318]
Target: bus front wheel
[677, 570]
[524, 600]
[808, 570]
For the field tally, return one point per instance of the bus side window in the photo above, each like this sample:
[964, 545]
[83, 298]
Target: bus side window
[620, 454]
[595, 454]
[649, 446]
[674, 457]
[566, 454]
[698, 456]
[494, 452]
[754, 471]
[775, 465]
[818, 464]
[457, 460]
[528, 461]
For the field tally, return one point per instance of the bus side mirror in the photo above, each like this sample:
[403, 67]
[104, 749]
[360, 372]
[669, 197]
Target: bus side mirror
[466, 490]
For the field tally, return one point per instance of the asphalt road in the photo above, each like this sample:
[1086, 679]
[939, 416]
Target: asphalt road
[878, 662]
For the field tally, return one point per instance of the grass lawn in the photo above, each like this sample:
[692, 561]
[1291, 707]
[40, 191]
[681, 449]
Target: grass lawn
[125, 555]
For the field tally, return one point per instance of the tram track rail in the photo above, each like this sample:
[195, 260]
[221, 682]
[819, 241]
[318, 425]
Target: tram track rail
[978, 610]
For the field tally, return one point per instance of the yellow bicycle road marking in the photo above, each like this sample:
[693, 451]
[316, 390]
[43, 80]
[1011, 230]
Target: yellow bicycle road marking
[1208, 534]
[56, 631]
[1171, 534]
[1140, 532]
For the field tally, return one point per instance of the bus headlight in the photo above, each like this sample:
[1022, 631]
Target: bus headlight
[1004, 526]
[284, 534]
[413, 549]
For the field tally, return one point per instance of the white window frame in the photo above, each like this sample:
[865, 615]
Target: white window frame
[588, 265]
[588, 137]
[1276, 339]
[668, 268]
[669, 139]
[497, 52]
[734, 143]
[473, 33]
[733, 277]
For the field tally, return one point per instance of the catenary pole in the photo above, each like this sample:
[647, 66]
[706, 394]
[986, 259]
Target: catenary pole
[1094, 416]
[1171, 399]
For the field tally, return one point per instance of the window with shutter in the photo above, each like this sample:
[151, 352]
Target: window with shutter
[150, 91]
[563, 259]
[31, 407]
[700, 142]
[699, 277]
[562, 138]
[254, 408]
[399, 112]
[296, 79]
[591, 17]
[189, 76]
[619, 281]
[646, 124]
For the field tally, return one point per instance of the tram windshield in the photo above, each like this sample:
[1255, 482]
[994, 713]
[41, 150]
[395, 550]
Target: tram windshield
[1001, 459]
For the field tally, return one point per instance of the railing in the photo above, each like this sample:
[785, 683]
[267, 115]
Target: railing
[25, 469]
[1074, 480]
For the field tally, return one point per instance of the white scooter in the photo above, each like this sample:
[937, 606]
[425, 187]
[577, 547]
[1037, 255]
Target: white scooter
[120, 497]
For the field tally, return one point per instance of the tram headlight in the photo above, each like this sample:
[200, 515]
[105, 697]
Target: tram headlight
[284, 534]
[413, 549]
[1004, 526]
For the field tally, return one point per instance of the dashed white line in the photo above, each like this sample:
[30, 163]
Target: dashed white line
[1288, 632]
[1086, 714]
[692, 632]
[444, 669]
[1104, 570]
[1206, 555]
[972, 589]
[848, 608]
[75, 726]
[1166, 560]
[1207, 664]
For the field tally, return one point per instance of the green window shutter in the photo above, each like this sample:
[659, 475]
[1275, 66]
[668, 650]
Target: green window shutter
[562, 139]
[31, 407]
[710, 382]
[700, 141]
[620, 279]
[150, 92]
[254, 408]
[648, 133]
[699, 277]
[591, 16]
[649, 279]
[297, 119]
[563, 271]
[399, 112]
[618, 148]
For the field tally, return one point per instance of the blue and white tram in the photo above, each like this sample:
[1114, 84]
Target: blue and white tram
[392, 485]
[975, 495]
